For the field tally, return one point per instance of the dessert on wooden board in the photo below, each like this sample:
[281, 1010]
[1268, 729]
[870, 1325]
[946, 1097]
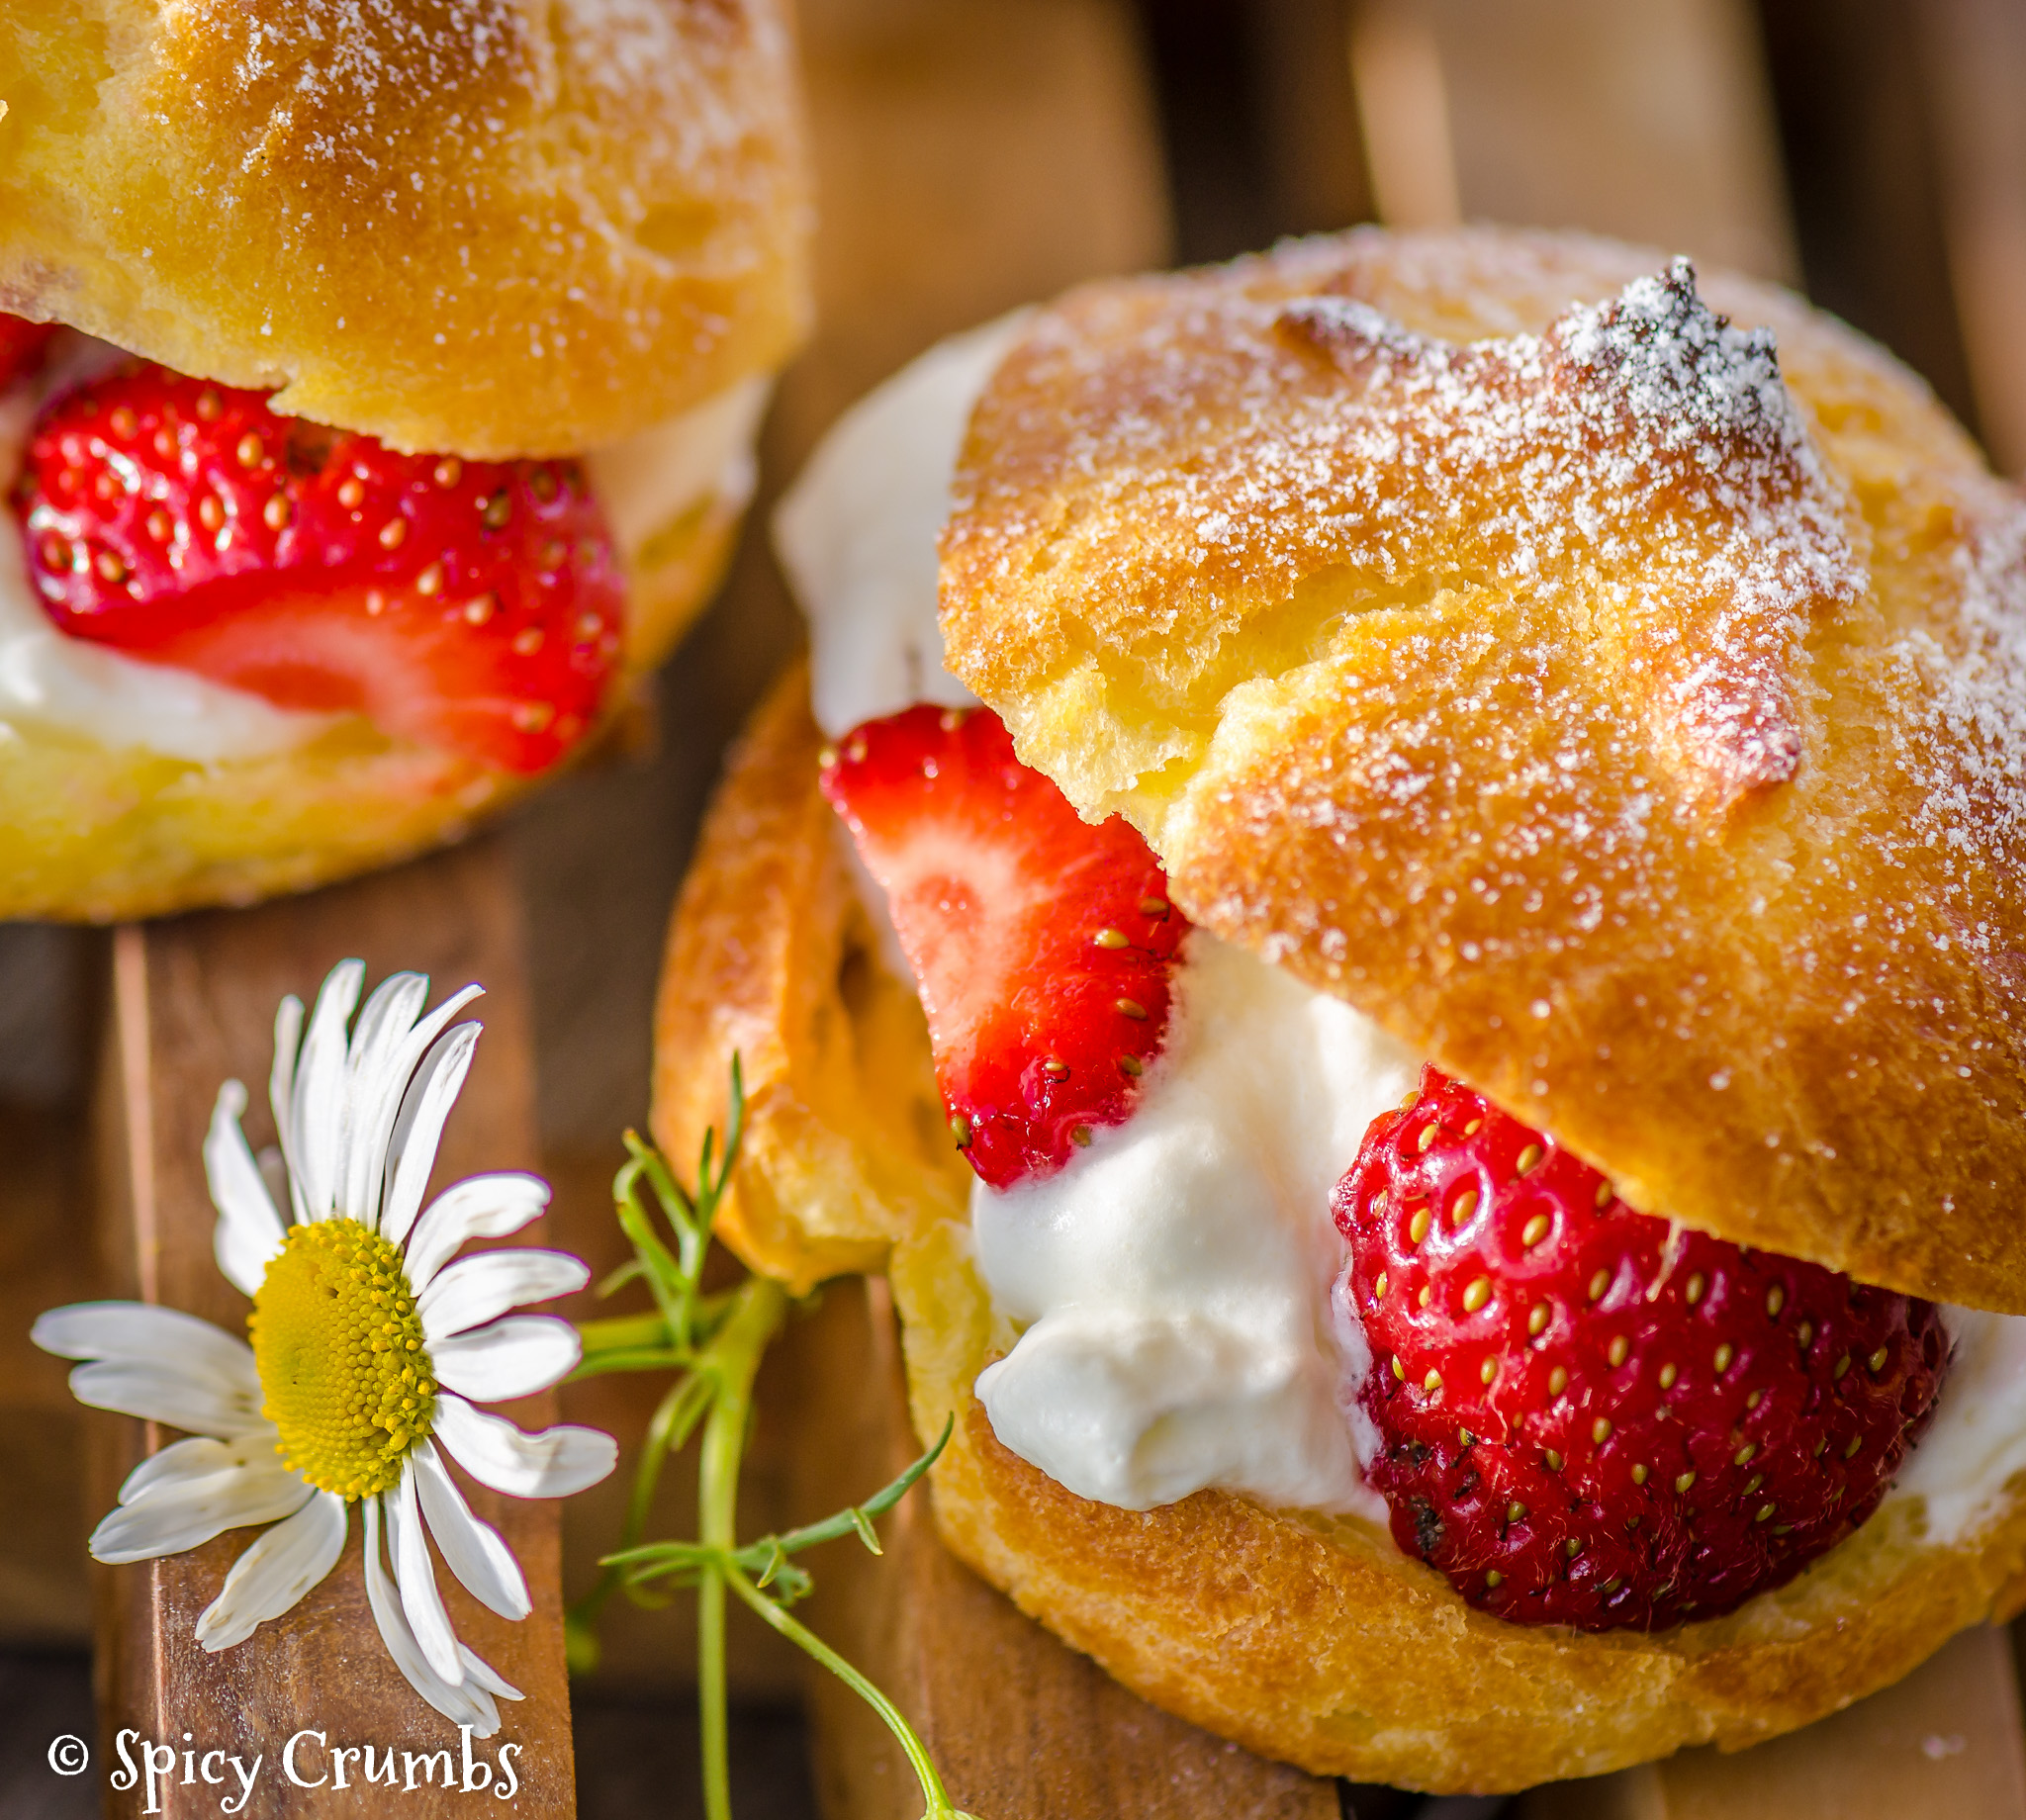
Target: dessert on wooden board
[1458, 835]
[377, 396]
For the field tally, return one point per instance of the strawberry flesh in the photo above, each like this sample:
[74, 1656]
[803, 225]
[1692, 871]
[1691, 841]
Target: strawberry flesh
[1587, 1422]
[1042, 945]
[472, 605]
[21, 347]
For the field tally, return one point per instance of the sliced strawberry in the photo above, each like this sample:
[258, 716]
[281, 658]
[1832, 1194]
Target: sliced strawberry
[472, 605]
[21, 347]
[1589, 1422]
[1042, 945]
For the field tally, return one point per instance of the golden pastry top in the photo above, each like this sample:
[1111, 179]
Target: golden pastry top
[1624, 708]
[491, 227]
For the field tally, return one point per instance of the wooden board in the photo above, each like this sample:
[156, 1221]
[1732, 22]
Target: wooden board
[1973, 54]
[192, 1003]
[972, 156]
[1943, 1745]
[44, 1024]
[1650, 122]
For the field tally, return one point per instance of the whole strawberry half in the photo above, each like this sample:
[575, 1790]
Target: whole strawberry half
[1589, 1420]
[1042, 945]
[21, 347]
[470, 605]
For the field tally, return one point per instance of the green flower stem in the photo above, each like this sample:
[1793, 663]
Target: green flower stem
[937, 1800]
[733, 1361]
[714, 1343]
[623, 1334]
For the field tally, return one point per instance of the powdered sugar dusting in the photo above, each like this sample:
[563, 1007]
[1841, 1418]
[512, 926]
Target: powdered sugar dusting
[1963, 752]
[1647, 419]
[1639, 734]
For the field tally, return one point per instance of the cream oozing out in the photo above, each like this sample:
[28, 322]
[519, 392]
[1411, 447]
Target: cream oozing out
[1178, 1288]
[53, 682]
[1174, 1284]
[857, 534]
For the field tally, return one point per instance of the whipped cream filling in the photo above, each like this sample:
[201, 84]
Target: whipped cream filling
[857, 534]
[1176, 1290]
[54, 682]
[1174, 1282]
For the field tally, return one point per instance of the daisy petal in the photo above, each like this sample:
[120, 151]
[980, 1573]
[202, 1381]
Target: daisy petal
[316, 1113]
[472, 1549]
[480, 1673]
[143, 1331]
[156, 1363]
[250, 1231]
[394, 1117]
[514, 1357]
[197, 1458]
[172, 1516]
[374, 1090]
[274, 1574]
[420, 1125]
[281, 1082]
[468, 1704]
[415, 1578]
[489, 1283]
[550, 1464]
[157, 1393]
[479, 1207]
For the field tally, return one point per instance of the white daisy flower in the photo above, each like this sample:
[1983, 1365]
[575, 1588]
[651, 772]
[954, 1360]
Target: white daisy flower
[373, 1343]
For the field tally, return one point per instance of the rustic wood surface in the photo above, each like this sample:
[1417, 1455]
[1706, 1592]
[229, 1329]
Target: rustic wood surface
[1943, 1745]
[192, 1004]
[1973, 54]
[1651, 121]
[974, 155]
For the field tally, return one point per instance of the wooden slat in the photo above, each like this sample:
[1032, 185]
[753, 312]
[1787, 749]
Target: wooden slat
[1650, 122]
[1021, 1726]
[44, 1594]
[1976, 65]
[192, 1003]
[970, 155]
[1943, 1745]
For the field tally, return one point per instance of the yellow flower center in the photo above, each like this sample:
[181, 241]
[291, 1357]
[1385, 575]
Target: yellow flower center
[339, 1348]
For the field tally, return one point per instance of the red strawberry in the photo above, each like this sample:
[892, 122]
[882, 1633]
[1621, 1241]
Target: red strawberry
[1042, 945]
[21, 347]
[1587, 1421]
[473, 605]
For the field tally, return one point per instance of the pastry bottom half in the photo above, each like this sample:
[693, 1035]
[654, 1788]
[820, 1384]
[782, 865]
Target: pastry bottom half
[1305, 1637]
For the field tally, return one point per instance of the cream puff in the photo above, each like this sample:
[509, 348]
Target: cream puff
[1420, 991]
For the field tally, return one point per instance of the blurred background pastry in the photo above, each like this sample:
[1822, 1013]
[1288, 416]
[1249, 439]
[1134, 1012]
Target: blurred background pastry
[379, 405]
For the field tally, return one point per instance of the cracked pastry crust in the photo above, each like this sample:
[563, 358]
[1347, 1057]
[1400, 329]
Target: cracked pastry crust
[1307, 1638]
[1638, 737]
[486, 228]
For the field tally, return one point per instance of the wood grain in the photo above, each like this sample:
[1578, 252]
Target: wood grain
[1022, 1727]
[1974, 60]
[192, 1004]
[1650, 123]
[1943, 1745]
